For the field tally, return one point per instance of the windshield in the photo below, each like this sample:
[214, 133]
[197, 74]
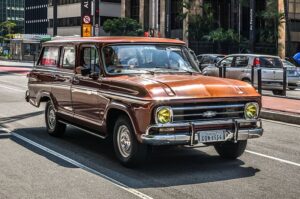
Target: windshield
[144, 58]
[288, 64]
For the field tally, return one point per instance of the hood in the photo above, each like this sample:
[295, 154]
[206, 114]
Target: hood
[186, 86]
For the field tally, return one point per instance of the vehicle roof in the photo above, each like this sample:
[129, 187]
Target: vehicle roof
[253, 55]
[112, 39]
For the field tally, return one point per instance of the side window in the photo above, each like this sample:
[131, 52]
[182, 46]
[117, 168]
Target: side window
[68, 61]
[50, 57]
[226, 62]
[90, 59]
[241, 61]
[206, 60]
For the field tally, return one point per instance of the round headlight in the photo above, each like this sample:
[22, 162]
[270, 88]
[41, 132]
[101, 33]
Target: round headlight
[251, 110]
[164, 115]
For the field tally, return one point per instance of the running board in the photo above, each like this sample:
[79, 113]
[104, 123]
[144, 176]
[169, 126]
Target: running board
[82, 129]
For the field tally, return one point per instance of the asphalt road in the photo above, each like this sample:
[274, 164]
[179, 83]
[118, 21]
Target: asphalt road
[35, 165]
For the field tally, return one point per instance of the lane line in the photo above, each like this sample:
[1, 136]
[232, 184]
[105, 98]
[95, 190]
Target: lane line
[273, 158]
[84, 167]
[283, 123]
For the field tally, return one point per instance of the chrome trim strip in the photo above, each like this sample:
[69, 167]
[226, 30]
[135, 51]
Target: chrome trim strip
[200, 114]
[207, 107]
[82, 129]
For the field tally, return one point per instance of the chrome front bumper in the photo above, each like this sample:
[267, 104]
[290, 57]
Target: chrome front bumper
[191, 137]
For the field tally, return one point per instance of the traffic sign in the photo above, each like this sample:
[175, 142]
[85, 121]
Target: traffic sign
[86, 19]
[86, 30]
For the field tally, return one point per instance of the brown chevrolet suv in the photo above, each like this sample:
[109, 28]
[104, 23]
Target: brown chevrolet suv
[141, 92]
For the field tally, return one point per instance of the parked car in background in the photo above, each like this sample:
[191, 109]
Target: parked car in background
[238, 66]
[293, 74]
[139, 93]
[206, 60]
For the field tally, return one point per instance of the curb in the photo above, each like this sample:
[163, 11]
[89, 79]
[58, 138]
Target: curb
[280, 116]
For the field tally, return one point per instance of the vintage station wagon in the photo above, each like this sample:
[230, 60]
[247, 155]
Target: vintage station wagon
[141, 92]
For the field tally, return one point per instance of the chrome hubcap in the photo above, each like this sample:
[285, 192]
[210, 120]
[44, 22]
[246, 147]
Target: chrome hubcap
[51, 117]
[124, 141]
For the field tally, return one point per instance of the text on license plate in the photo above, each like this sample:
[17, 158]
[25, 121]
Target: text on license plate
[211, 136]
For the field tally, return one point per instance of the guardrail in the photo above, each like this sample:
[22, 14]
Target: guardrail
[258, 81]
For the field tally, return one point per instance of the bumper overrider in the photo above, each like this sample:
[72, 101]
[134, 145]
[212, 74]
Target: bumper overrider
[191, 137]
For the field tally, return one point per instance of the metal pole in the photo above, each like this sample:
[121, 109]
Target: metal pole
[252, 75]
[55, 17]
[252, 26]
[220, 71]
[284, 80]
[224, 71]
[168, 18]
[93, 11]
[259, 80]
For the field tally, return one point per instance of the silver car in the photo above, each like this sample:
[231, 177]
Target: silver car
[293, 75]
[238, 66]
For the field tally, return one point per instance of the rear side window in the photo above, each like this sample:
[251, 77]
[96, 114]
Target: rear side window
[50, 57]
[90, 58]
[68, 58]
[241, 61]
[270, 62]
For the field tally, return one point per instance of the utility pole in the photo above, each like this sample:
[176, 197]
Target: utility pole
[168, 19]
[252, 26]
[54, 17]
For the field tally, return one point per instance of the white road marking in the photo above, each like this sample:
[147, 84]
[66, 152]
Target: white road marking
[86, 168]
[283, 123]
[11, 88]
[273, 158]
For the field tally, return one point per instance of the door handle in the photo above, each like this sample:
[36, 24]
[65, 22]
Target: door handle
[75, 80]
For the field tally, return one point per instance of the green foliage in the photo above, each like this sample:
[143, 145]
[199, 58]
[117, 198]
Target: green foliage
[221, 35]
[269, 20]
[123, 27]
[199, 24]
[8, 28]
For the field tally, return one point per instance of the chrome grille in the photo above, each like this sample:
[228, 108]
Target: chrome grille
[196, 112]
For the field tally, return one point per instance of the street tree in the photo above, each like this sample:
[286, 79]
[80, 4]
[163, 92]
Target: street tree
[123, 27]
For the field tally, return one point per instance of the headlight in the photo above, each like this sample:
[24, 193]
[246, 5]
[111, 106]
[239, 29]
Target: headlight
[164, 115]
[251, 110]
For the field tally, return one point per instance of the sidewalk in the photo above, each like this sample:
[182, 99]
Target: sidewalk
[10, 63]
[281, 109]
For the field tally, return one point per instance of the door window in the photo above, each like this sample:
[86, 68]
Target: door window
[226, 62]
[50, 57]
[90, 59]
[270, 62]
[68, 58]
[241, 61]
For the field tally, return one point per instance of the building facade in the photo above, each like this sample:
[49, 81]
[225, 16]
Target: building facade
[294, 25]
[13, 10]
[36, 21]
[68, 14]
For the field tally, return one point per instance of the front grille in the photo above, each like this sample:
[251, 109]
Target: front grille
[207, 111]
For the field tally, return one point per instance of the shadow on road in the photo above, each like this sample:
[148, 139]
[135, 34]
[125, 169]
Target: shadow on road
[171, 166]
[5, 120]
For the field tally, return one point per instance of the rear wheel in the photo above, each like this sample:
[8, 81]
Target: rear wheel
[127, 148]
[277, 92]
[231, 150]
[53, 126]
[292, 88]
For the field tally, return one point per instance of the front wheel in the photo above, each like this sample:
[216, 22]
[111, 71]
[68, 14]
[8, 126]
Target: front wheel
[53, 126]
[231, 150]
[127, 148]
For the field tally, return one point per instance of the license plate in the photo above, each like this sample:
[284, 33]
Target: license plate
[211, 136]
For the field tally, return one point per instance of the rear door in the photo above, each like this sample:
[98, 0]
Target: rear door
[272, 71]
[239, 69]
[61, 88]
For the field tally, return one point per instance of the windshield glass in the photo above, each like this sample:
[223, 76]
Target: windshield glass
[288, 64]
[144, 58]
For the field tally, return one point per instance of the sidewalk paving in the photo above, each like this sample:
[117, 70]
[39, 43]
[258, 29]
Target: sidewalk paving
[281, 109]
[10, 63]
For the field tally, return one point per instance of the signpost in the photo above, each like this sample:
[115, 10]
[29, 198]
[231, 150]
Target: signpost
[86, 16]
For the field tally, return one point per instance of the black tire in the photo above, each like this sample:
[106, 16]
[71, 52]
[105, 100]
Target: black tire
[247, 80]
[53, 126]
[137, 153]
[292, 88]
[277, 92]
[231, 150]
